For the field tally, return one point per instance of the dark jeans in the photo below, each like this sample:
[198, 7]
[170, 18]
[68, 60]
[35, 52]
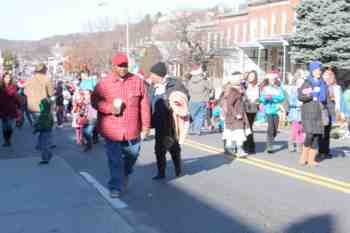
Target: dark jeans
[60, 115]
[161, 150]
[272, 127]
[122, 156]
[44, 145]
[324, 142]
[249, 144]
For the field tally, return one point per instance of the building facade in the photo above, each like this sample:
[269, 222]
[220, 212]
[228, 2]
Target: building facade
[256, 34]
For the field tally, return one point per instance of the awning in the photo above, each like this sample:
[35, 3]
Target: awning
[265, 43]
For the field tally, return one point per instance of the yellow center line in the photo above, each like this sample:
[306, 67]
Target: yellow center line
[291, 172]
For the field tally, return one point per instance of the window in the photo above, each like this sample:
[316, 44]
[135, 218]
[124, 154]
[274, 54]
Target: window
[245, 32]
[263, 27]
[210, 42]
[274, 24]
[228, 37]
[222, 40]
[253, 29]
[284, 23]
[236, 33]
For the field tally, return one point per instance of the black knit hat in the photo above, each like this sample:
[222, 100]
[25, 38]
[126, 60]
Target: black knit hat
[159, 69]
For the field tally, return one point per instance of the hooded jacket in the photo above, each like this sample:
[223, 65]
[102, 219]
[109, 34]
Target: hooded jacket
[10, 102]
[162, 115]
[200, 88]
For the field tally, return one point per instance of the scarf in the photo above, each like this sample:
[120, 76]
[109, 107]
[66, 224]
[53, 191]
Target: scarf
[319, 89]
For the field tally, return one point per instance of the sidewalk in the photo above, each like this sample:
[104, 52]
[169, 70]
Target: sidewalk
[52, 198]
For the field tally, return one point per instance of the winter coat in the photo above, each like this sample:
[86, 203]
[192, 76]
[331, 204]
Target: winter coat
[272, 106]
[37, 89]
[311, 115]
[45, 121]
[200, 89]
[233, 107]
[162, 114]
[10, 102]
[294, 105]
[251, 99]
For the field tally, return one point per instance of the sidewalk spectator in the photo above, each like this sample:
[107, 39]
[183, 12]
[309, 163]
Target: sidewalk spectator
[163, 120]
[333, 108]
[36, 89]
[314, 115]
[77, 111]
[43, 126]
[200, 90]
[271, 97]
[251, 104]
[123, 112]
[9, 106]
[59, 104]
[296, 138]
[89, 125]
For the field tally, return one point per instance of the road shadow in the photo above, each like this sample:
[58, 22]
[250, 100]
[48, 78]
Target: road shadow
[260, 147]
[182, 210]
[315, 224]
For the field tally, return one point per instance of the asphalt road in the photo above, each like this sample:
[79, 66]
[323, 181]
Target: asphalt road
[265, 193]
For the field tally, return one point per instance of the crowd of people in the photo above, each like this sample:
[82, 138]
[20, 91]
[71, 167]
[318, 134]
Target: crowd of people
[122, 106]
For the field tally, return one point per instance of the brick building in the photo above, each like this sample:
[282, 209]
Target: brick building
[256, 36]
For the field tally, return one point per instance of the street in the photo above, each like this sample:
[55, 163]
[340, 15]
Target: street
[264, 193]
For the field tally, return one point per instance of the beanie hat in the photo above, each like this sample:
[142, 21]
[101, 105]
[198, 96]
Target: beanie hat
[315, 65]
[159, 69]
[119, 59]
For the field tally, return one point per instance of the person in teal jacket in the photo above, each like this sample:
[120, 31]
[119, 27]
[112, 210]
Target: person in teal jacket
[272, 96]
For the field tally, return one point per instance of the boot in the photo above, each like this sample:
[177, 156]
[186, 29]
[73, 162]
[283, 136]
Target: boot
[299, 147]
[312, 158]
[304, 157]
[7, 138]
[161, 164]
[241, 153]
[291, 147]
[177, 164]
[269, 148]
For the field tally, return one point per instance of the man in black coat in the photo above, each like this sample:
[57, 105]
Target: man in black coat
[162, 119]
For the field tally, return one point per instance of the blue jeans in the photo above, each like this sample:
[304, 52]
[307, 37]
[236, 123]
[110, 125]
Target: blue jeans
[198, 112]
[7, 124]
[44, 145]
[35, 116]
[122, 156]
[88, 131]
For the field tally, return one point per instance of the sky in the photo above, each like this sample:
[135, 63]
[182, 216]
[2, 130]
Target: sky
[37, 19]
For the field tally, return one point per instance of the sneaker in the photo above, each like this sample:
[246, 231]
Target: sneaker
[43, 162]
[114, 194]
[158, 177]
[242, 154]
[269, 148]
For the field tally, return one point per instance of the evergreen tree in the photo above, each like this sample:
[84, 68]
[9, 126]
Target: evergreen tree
[322, 32]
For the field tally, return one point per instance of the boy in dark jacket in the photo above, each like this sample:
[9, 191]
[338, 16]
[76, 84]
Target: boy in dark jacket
[44, 127]
[163, 121]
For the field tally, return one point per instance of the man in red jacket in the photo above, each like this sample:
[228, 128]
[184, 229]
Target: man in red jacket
[123, 113]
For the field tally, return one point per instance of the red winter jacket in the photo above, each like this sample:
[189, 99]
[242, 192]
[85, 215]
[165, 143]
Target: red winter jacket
[10, 102]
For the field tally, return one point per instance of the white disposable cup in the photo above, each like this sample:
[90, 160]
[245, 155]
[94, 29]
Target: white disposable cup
[117, 103]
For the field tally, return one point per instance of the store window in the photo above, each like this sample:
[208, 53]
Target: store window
[253, 28]
[274, 24]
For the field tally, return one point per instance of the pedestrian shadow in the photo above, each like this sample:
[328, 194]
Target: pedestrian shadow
[316, 224]
[260, 147]
[183, 211]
